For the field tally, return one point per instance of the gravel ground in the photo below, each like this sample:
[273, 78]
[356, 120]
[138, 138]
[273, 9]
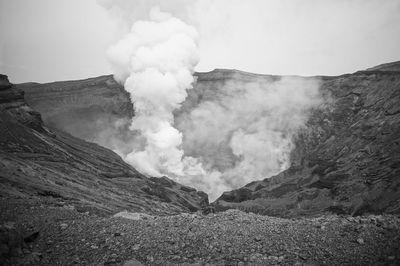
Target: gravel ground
[65, 236]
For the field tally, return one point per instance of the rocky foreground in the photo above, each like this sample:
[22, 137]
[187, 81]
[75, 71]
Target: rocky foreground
[57, 234]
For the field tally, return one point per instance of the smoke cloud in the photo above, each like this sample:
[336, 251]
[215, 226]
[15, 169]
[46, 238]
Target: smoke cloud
[233, 128]
[243, 129]
[155, 61]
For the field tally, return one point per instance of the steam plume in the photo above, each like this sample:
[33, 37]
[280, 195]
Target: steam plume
[243, 130]
[155, 61]
[225, 134]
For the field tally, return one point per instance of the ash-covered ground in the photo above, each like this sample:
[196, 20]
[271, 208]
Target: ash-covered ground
[57, 234]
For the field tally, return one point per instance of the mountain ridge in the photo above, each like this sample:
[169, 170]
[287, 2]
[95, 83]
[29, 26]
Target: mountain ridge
[353, 94]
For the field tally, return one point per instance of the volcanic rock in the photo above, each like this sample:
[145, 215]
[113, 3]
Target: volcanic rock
[347, 158]
[95, 109]
[226, 238]
[49, 164]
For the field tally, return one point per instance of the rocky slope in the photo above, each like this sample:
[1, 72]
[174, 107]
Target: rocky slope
[346, 159]
[37, 162]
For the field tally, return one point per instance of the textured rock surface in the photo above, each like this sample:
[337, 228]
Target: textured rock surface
[95, 109]
[346, 160]
[227, 238]
[38, 162]
[13, 106]
[393, 66]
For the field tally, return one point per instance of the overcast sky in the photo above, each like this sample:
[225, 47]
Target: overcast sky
[47, 40]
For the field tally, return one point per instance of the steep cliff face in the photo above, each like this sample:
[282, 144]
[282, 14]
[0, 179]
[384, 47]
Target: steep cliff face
[346, 159]
[14, 108]
[95, 109]
[41, 163]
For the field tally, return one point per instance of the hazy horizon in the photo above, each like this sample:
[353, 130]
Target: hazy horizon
[45, 40]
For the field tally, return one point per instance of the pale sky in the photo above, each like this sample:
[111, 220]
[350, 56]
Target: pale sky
[48, 40]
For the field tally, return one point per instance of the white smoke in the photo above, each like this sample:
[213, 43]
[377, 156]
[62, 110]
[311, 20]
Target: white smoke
[227, 133]
[155, 61]
[244, 130]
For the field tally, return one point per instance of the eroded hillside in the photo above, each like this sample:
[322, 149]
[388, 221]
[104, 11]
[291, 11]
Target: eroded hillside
[37, 162]
[346, 159]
